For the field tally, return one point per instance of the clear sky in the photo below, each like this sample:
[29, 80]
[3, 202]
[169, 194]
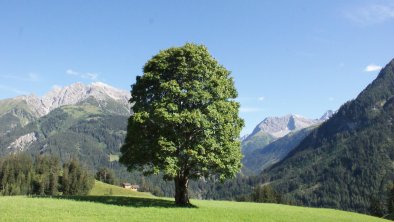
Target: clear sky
[302, 57]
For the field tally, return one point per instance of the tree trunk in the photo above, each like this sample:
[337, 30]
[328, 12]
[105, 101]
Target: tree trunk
[181, 192]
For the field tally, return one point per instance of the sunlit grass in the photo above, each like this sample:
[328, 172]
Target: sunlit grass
[103, 189]
[118, 208]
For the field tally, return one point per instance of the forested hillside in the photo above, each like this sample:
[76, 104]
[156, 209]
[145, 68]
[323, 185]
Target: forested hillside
[347, 160]
[268, 154]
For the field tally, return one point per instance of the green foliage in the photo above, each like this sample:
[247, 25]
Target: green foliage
[185, 121]
[390, 199]
[376, 207]
[16, 175]
[75, 179]
[20, 175]
[346, 159]
[265, 194]
[106, 175]
[46, 176]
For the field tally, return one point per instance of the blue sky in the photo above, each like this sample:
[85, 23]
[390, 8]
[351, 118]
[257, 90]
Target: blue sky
[301, 57]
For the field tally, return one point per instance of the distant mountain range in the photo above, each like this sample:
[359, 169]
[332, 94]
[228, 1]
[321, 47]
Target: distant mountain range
[278, 127]
[87, 121]
[81, 116]
[275, 137]
[72, 95]
[348, 159]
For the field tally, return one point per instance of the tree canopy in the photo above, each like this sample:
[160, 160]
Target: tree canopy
[185, 122]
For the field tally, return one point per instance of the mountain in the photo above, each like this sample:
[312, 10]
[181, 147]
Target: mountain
[349, 158]
[268, 154]
[280, 126]
[21, 110]
[274, 138]
[77, 93]
[90, 118]
[272, 128]
[327, 115]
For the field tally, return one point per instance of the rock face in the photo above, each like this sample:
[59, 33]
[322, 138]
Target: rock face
[73, 94]
[327, 115]
[278, 127]
[21, 143]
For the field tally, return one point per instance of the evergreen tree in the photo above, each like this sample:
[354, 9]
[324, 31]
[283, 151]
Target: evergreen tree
[76, 180]
[390, 199]
[265, 194]
[16, 174]
[376, 207]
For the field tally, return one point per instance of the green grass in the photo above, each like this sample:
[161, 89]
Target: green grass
[81, 111]
[118, 208]
[126, 205]
[103, 189]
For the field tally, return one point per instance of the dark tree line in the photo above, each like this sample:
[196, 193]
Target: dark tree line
[263, 194]
[43, 175]
[383, 207]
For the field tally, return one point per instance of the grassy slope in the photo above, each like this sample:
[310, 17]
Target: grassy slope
[102, 189]
[150, 209]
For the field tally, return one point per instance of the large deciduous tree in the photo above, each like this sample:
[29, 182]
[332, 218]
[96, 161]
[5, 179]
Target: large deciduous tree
[185, 122]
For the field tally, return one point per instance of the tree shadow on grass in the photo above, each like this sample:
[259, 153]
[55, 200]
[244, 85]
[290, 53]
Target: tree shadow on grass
[123, 201]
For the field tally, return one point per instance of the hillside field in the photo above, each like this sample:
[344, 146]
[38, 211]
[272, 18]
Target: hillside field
[103, 189]
[135, 206]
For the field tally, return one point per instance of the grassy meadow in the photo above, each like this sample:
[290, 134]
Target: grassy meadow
[103, 189]
[125, 205]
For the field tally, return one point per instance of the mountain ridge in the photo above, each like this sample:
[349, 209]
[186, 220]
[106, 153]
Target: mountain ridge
[278, 127]
[275, 137]
[71, 95]
[349, 158]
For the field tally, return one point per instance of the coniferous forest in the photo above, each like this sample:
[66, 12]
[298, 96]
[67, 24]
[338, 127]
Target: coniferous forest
[21, 174]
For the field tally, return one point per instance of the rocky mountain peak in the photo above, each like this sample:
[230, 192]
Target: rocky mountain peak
[327, 115]
[73, 94]
[281, 126]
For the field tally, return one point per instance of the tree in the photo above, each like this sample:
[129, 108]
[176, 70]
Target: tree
[106, 175]
[46, 175]
[390, 199]
[265, 194]
[75, 180]
[376, 207]
[185, 122]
